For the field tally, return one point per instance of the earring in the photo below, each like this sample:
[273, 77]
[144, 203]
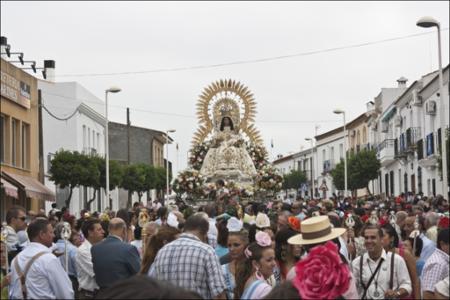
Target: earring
[258, 275]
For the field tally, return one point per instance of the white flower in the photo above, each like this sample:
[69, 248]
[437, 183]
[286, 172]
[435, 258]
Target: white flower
[191, 186]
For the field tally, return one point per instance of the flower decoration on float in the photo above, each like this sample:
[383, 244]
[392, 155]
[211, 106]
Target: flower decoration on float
[322, 274]
[443, 222]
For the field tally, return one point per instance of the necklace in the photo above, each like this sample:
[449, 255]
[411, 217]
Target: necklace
[376, 294]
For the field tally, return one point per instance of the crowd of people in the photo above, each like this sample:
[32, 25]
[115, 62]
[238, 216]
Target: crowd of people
[232, 248]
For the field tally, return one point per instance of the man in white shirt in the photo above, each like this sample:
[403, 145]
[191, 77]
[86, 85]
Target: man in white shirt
[15, 219]
[376, 265]
[45, 278]
[93, 233]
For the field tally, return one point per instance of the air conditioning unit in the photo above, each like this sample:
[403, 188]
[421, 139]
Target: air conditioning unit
[398, 121]
[430, 107]
[384, 126]
[417, 99]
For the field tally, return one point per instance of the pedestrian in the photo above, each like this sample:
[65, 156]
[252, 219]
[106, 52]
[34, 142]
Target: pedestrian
[317, 232]
[71, 253]
[93, 233]
[436, 267]
[163, 236]
[252, 274]
[380, 274]
[190, 262]
[210, 210]
[391, 243]
[15, 219]
[237, 242]
[35, 272]
[144, 287]
[428, 245]
[113, 258]
[4, 276]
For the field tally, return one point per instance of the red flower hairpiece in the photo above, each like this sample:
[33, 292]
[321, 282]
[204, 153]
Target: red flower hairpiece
[364, 218]
[443, 222]
[322, 274]
[294, 223]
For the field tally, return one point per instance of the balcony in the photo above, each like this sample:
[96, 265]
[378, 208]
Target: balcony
[328, 165]
[386, 152]
[412, 136]
[89, 151]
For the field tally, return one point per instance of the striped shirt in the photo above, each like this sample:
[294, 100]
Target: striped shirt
[436, 269]
[189, 263]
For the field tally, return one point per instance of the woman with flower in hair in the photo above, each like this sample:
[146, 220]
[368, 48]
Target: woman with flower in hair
[252, 274]
[287, 255]
[237, 242]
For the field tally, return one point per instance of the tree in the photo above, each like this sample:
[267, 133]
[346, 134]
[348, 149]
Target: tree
[138, 178]
[294, 180]
[68, 169]
[362, 167]
[115, 177]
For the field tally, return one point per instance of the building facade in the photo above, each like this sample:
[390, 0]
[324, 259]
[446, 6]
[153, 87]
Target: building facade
[132, 144]
[73, 119]
[20, 169]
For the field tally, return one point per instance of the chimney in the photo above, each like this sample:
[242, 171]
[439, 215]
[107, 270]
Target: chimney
[402, 82]
[49, 68]
[4, 47]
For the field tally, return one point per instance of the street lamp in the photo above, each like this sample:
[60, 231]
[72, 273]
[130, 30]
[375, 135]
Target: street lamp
[340, 111]
[113, 89]
[431, 22]
[312, 167]
[167, 161]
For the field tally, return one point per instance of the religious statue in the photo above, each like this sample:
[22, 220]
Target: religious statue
[226, 110]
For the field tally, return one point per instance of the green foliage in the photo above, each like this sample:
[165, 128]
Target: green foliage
[69, 169]
[294, 180]
[362, 167]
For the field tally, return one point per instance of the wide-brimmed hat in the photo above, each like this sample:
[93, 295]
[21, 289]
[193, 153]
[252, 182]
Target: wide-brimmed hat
[316, 230]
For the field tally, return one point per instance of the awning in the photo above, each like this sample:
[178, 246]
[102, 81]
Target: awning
[10, 189]
[33, 188]
[387, 116]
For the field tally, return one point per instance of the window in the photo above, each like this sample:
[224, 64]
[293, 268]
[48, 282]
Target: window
[93, 139]
[89, 138]
[341, 151]
[25, 146]
[332, 153]
[15, 141]
[364, 134]
[324, 155]
[399, 179]
[98, 141]
[84, 137]
[2, 137]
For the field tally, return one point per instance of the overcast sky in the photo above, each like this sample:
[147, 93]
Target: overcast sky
[293, 94]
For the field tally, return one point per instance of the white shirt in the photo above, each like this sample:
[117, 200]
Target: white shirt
[212, 233]
[11, 239]
[85, 269]
[380, 283]
[46, 278]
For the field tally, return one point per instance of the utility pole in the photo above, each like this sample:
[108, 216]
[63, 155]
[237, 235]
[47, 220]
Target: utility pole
[128, 151]
[41, 139]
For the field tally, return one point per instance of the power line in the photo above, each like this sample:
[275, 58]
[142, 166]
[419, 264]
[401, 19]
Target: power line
[250, 61]
[171, 114]
[59, 118]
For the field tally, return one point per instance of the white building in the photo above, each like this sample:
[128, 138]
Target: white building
[408, 138]
[73, 119]
[377, 111]
[330, 151]
[299, 161]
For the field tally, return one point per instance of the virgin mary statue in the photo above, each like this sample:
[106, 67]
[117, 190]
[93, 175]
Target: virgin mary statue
[227, 157]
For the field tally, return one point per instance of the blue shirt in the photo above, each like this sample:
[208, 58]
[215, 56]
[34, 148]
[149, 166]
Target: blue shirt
[71, 251]
[221, 251]
[428, 247]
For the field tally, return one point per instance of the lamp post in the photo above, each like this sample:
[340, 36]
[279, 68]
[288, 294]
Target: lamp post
[431, 22]
[113, 89]
[340, 111]
[312, 166]
[167, 161]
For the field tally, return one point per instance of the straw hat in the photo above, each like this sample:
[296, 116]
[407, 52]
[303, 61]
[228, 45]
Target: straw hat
[316, 230]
